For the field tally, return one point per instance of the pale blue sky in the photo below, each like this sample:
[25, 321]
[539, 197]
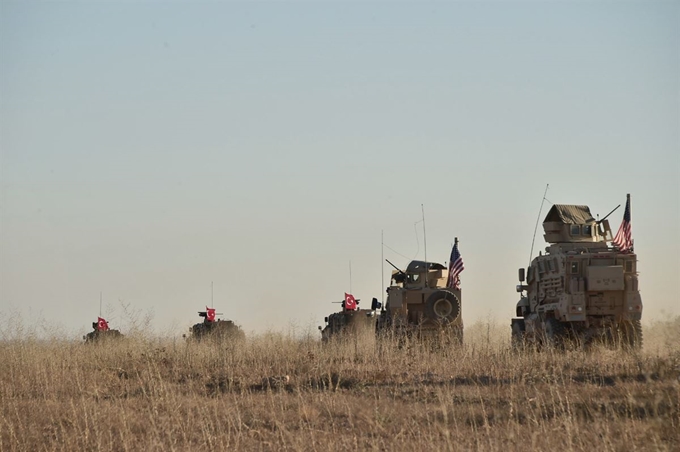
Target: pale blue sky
[148, 149]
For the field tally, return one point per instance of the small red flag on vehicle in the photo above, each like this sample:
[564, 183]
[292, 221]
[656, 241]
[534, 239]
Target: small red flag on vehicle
[102, 325]
[350, 302]
[210, 314]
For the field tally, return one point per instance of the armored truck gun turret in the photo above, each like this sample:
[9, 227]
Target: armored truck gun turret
[420, 304]
[581, 288]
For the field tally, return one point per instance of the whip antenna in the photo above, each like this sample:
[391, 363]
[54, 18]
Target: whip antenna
[531, 253]
[382, 265]
[350, 276]
[422, 208]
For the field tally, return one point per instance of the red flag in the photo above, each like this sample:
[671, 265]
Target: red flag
[350, 302]
[102, 325]
[210, 314]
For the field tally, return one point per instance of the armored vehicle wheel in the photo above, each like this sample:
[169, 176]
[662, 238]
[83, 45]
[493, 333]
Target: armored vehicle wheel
[631, 334]
[554, 333]
[517, 336]
[459, 336]
[442, 306]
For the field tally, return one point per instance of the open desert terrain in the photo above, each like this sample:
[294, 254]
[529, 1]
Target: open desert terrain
[278, 392]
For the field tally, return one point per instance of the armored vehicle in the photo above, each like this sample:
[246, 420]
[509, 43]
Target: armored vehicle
[350, 322]
[581, 288]
[420, 304]
[214, 328]
[101, 332]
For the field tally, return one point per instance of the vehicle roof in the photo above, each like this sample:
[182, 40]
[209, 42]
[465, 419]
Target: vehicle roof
[420, 266]
[569, 214]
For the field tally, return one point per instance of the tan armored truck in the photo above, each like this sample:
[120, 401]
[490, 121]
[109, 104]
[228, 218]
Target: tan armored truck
[580, 289]
[350, 322]
[419, 304]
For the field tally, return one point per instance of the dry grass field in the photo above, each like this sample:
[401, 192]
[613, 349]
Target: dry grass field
[275, 392]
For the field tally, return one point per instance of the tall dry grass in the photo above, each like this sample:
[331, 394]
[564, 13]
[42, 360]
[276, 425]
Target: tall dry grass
[277, 392]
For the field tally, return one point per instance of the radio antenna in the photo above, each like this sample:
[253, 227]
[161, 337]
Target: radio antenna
[531, 253]
[382, 265]
[212, 295]
[100, 303]
[350, 276]
[422, 208]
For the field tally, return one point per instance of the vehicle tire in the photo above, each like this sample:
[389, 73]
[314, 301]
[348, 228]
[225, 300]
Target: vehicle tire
[517, 338]
[442, 306]
[555, 333]
[631, 334]
[459, 336]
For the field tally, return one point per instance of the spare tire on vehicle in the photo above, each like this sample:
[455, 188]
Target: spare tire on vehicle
[442, 306]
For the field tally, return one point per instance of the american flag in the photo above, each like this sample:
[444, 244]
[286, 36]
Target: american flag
[623, 240]
[455, 268]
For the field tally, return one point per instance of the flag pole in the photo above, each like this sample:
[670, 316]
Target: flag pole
[630, 220]
[455, 243]
[100, 303]
[212, 295]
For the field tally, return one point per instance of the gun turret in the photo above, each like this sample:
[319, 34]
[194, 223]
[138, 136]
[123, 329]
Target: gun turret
[395, 267]
[400, 276]
[607, 216]
[204, 314]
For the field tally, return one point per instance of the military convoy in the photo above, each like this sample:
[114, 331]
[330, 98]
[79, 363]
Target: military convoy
[420, 304]
[581, 289]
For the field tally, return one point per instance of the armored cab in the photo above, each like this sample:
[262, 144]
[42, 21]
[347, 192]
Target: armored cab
[350, 322]
[215, 329]
[420, 304]
[581, 288]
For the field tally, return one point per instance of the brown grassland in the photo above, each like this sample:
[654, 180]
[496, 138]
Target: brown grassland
[278, 392]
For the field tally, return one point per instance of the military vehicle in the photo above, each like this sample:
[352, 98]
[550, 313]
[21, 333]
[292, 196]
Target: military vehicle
[214, 328]
[580, 289]
[419, 304]
[101, 332]
[350, 322]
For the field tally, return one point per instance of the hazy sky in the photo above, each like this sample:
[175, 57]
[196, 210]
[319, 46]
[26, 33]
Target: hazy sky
[148, 149]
